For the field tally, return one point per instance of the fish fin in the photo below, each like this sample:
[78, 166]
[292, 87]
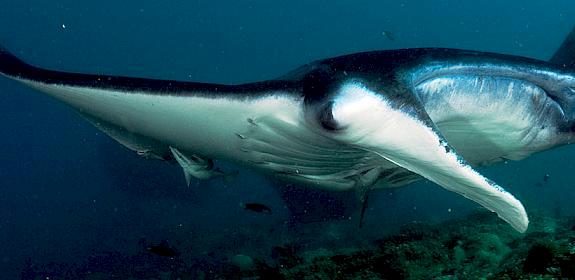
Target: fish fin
[399, 130]
[198, 167]
[189, 164]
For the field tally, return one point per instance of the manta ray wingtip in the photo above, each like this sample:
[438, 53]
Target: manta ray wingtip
[11, 65]
[515, 216]
[522, 228]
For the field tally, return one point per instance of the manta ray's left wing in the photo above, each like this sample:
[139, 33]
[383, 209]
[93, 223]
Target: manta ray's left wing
[399, 130]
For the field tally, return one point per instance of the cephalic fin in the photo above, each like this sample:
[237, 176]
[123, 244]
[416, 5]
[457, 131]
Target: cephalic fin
[405, 135]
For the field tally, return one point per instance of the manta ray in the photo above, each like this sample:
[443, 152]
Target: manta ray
[363, 121]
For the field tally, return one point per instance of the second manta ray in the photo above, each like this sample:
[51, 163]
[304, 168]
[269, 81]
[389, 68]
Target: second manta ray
[358, 122]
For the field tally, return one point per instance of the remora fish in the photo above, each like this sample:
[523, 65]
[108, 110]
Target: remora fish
[363, 121]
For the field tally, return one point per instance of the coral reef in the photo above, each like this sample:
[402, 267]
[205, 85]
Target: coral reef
[477, 247]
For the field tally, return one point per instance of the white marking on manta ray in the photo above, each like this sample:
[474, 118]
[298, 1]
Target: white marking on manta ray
[490, 69]
[411, 144]
[467, 111]
[186, 122]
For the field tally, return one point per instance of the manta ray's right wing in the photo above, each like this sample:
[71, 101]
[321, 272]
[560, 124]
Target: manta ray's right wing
[402, 132]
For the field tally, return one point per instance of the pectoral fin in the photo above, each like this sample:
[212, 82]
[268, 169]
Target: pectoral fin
[401, 132]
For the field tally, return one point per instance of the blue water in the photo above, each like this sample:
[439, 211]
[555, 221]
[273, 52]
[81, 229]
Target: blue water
[69, 194]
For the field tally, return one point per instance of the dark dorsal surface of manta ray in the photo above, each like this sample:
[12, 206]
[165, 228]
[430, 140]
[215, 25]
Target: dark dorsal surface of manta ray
[362, 121]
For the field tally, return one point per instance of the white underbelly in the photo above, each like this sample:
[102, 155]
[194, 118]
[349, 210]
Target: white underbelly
[211, 127]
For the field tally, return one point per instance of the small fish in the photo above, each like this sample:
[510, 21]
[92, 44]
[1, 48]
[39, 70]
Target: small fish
[388, 35]
[163, 249]
[256, 207]
[545, 180]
